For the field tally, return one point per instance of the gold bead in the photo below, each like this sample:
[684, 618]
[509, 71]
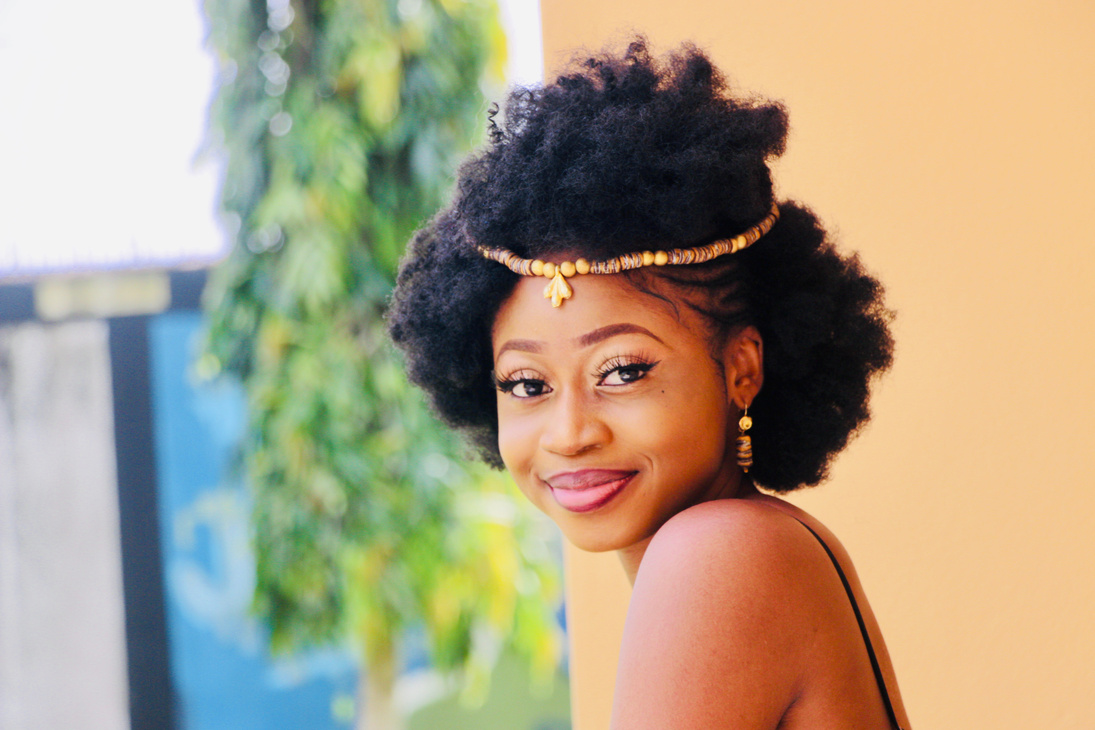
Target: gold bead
[648, 258]
[581, 266]
[549, 270]
[661, 258]
[745, 452]
[567, 268]
[538, 267]
[745, 423]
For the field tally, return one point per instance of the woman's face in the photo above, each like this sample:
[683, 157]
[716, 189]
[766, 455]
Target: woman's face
[612, 414]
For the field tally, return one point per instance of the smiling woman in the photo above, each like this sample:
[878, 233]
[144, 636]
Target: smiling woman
[593, 414]
[702, 341]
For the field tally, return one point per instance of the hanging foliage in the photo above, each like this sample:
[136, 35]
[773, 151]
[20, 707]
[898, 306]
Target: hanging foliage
[341, 122]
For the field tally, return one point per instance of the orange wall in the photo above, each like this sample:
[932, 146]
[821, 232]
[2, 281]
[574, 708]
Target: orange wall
[952, 142]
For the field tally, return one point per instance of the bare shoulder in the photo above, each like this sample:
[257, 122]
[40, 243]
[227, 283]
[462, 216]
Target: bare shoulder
[732, 596]
[750, 527]
[731, 556]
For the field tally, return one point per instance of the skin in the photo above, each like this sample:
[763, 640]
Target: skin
[617, 418]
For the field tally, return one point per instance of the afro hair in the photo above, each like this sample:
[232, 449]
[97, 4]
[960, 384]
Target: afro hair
[624, 153]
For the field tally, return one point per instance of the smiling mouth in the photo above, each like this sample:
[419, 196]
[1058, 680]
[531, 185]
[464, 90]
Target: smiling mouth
[589, 489]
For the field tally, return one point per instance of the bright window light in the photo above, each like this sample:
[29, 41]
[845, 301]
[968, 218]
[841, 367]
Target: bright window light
[103, 113]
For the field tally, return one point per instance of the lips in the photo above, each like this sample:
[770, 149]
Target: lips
[587, 489]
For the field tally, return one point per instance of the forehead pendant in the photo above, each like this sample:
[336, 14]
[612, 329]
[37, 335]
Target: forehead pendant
[559, 289]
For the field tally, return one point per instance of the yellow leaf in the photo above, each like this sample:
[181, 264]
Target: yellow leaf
[378, 95]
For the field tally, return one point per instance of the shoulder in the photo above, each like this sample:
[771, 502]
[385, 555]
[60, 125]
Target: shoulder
[708, 529]
[730, 558]
[731, 595]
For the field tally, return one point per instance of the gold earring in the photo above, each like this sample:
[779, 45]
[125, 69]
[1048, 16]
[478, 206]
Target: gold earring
[745, 444]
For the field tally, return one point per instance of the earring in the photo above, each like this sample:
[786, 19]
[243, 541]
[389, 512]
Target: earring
[745, 444]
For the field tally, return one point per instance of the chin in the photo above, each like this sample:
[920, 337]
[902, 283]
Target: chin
[593, 545]
[592, 540]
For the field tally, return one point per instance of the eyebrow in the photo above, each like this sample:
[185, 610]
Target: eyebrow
[603, 333]
[590, 338]
[523, 345]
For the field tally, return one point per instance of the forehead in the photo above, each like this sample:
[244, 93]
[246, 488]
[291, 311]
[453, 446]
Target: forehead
[597, 301]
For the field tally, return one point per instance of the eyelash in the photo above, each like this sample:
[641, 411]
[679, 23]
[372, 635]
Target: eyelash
[621, 363]
[507, 384]
[639, 364]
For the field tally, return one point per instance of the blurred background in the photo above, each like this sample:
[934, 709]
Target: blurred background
[220, 506]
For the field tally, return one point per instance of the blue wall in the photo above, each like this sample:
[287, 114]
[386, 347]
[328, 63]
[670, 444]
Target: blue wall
[222, 674]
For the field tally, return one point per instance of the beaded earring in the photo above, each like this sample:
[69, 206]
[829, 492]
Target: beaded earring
[745, 443]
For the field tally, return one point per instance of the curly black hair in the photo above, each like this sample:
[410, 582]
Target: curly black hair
[624, 153]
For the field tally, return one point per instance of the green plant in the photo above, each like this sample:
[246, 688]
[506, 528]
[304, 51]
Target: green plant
[341, 122]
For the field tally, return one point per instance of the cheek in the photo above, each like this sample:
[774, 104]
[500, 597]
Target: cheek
[692, 430]
[691, 437]
[517, 440]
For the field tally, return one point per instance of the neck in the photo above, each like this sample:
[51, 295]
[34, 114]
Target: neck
[631, 556]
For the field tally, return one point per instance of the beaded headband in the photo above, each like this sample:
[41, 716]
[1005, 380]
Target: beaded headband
[559, 289]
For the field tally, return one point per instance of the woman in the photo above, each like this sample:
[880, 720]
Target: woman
[616, 309]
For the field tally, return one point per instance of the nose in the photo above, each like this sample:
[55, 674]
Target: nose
[574, 425]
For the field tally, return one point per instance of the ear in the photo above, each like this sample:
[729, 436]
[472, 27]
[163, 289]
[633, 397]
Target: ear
[743, 363]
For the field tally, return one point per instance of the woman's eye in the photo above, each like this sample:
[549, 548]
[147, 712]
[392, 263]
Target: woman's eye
[625, 374]
[520, 387]
[529, 388]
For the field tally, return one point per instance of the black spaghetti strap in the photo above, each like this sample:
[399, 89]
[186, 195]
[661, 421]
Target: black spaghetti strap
[862, 627]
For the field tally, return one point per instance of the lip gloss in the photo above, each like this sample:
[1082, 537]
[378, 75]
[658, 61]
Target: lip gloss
[587, 490]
